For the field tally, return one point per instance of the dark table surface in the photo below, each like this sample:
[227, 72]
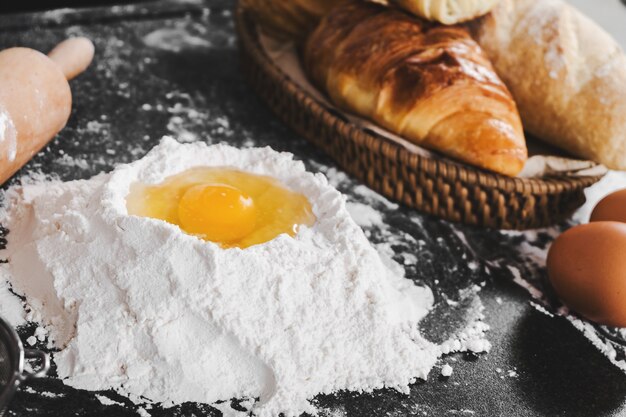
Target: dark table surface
[133, 94]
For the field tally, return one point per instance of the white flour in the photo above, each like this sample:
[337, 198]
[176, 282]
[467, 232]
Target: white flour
[8, 135]
[140, 307]
[174, 40]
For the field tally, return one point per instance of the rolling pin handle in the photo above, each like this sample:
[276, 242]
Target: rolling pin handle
[73, 56]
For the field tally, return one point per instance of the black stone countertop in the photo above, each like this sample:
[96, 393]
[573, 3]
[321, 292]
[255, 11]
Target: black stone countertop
[192, 89]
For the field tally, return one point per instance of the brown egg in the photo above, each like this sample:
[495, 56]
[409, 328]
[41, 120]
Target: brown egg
[612, 208]
[587, 268]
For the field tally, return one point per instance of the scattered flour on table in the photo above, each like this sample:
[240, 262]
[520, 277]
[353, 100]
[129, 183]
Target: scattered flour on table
[46, 394]
[339, 411]
[364, 215]
[135, 305]
[57, 15]
[107, 401]
[143, 412]
[446, 371]
[463, 412]
[174, 39]
[228, 411]
[541, 309]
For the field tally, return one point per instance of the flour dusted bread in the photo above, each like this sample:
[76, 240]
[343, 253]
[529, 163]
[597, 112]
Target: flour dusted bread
[447, 11]
[288, 19]
[567, 75]
[431, 84]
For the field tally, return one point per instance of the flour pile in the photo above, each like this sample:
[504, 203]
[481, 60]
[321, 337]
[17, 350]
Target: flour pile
[136, 305]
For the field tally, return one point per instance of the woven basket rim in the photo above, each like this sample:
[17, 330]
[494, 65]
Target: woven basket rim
[449, 169]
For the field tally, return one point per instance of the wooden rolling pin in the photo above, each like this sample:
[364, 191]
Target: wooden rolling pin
[35, 98]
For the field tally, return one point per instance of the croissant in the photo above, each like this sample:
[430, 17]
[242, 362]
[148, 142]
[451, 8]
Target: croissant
[429, 83]
[288, 19]
[447, 12]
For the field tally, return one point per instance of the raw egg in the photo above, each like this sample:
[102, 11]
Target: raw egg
[612, 208]
[227, 206]
[587, 268]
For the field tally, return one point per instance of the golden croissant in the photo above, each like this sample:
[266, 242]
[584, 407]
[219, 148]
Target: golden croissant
[431, 84]
[448, 12]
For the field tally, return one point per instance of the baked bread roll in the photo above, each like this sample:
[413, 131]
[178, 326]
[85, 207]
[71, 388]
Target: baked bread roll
[447, 12]
[567, 75]
[288, 19]
[430, 84]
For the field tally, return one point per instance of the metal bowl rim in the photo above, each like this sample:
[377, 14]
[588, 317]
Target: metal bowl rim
[16, 353]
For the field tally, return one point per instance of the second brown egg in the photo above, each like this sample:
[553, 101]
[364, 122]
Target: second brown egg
[587, 268]
[611, 208]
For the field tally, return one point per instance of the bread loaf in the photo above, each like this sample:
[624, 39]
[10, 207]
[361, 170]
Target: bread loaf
[431, 84]
[567, 75]
[448, 12]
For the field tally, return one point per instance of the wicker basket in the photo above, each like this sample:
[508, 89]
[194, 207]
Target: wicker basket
[444, 188]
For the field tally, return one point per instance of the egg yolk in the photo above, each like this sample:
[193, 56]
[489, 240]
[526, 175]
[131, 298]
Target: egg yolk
[217, 212]
[230, 207]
